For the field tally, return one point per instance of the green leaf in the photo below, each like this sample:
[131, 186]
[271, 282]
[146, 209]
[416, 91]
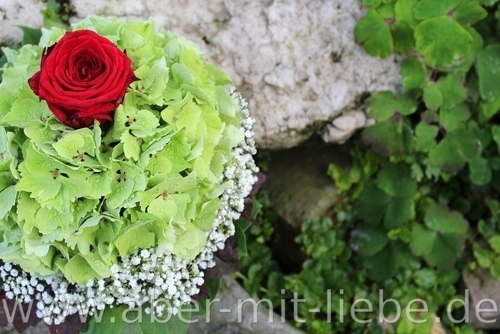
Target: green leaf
[454, 118]
[403, 36]
[425, 278]
[438, 249]
[479, 171]
[469, 12]
[373, 32]
[443, 220]
[443, 41]
[404, 12]
[426, 9]
[451, 153]
[495, 243]
[452, 89]
[372, 204]
[372, 3]
[398, 212]
[446, 250]
[413, 73]
[385, 263]
[31, 35]
[488, 72]
[8, 197]
[484, 257]
[422, 240]
[384, 105]
[389, 138]
[488, 3]
[242, 241]
[425, 136]
[433, 97]
[495, 133]
[368, 240]
[394, 180]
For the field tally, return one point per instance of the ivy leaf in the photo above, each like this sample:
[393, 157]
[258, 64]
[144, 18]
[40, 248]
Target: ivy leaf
[451, 153]
[373, 32]
[488, 72]
[413, 73]
[443, 41]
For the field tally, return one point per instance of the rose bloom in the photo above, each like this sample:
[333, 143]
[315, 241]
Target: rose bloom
[83, 78]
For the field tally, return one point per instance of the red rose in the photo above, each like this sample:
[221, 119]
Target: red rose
[83, 77]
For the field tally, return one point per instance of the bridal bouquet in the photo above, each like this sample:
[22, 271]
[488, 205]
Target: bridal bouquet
[125, 161]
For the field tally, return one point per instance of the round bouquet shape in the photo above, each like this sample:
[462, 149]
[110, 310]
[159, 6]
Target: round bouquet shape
[125, 160]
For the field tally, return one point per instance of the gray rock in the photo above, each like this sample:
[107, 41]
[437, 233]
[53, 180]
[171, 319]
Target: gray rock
[483, 294]
[297, 181]
[295, 61]
[41, 328]
[235, 312]
[299, 189]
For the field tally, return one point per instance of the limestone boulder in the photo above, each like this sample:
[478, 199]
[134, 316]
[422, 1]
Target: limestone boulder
[295, 61]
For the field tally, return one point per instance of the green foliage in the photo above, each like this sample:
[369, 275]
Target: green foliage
[419, 203]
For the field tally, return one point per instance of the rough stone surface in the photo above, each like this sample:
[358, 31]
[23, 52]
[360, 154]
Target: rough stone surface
[297, 181]
[41, 328]
[18, 12]
[299, 189]
[483, 289]
[295, 61]
[230, 295]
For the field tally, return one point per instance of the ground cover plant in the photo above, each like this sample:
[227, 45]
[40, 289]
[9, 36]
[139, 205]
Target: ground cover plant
[419, 204]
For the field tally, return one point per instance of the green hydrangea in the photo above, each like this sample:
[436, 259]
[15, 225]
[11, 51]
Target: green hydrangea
[77, 201]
